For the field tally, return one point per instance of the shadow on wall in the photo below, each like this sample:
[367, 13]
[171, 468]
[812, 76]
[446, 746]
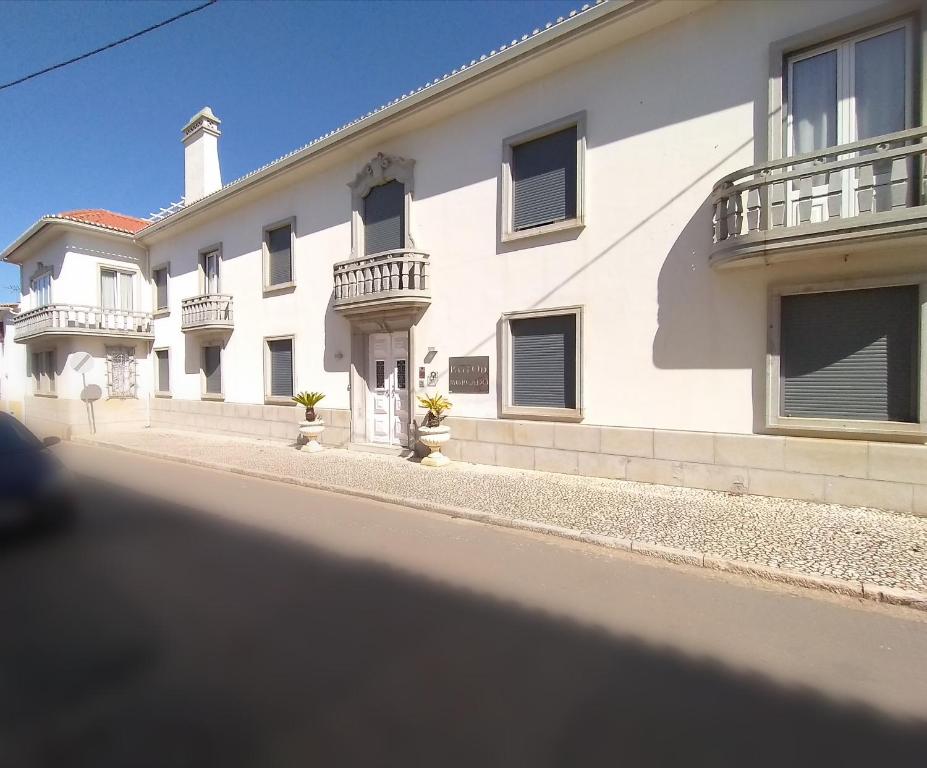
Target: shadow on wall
[337, 340]
[710, 319]
[117, 658]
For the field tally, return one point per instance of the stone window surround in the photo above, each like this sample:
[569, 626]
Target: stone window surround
[212, 342]
[578, 222]
[37, 391]
[885, 430]
[154, 359]
[380, 170]
[201, 266]
[270, 399]
[161, 311]
[265, 256]
[510, 411]
[850, 26]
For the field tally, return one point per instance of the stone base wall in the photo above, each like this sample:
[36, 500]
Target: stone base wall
[891, 476]
[271, 422]
[63, 417]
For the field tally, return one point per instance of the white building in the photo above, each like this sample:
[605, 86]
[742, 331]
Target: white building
[559, 237]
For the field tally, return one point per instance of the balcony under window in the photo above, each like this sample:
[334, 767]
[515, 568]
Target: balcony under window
[841, 197]
[396, 279]
[80, 320]
[850, 166]
[210, 312]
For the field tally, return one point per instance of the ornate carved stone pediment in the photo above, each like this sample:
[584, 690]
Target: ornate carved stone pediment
[381, 169]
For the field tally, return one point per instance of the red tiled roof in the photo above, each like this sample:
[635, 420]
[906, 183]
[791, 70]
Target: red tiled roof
[108, 219]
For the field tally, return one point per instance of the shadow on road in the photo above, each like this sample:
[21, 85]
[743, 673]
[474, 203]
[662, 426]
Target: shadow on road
[150, 635]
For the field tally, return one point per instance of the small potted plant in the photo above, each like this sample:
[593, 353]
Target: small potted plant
[312, 427]
[432, 434]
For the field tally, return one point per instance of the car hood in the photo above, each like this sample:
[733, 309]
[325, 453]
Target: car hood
[26, 473]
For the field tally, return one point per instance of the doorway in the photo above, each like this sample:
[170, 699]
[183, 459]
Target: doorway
[388, 389]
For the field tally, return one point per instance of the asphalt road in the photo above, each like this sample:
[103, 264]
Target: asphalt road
[196, 618]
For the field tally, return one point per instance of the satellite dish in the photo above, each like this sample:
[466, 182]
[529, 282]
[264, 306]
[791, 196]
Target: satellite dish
[81, 362]
[91, 393]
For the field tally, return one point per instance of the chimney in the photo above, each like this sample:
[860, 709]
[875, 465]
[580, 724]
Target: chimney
[201, 156]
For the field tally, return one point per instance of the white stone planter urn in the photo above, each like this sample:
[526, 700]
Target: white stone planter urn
[433, 438]
[311, 430]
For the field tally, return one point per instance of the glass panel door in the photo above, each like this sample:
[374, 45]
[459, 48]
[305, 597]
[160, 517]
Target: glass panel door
[841, 93]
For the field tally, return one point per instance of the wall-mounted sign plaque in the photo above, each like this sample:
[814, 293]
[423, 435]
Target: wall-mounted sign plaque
[469, 375]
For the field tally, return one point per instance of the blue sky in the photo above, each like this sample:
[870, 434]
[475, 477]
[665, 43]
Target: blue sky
[105, 132]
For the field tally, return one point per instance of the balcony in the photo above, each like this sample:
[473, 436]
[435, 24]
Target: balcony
[836, 200]
[79, 320]
[212, 312]
[388, 280]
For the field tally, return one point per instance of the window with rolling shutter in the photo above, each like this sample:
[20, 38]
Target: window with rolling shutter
[543, 177]
[850, 354]
[543, 361]
[162, 357]
[384, 218]
[160, 281]
[212, 370]
[280, 358]
[279, 255]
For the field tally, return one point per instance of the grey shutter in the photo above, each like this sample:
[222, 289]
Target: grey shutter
[544, 180]
[164, 371]
[281, 367]
[278, 246]
[384, 218]
[850, 354]
[161, 288]
[212, 368]
[544, 361]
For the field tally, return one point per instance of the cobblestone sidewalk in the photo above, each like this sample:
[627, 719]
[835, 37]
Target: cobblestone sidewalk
[824, 540]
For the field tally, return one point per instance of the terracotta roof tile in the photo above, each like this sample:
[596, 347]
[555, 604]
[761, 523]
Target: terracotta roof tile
[104, 218]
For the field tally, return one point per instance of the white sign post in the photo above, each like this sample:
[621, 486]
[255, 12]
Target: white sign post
[82, 363]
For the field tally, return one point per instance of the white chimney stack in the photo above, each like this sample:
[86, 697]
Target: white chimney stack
[201, 156]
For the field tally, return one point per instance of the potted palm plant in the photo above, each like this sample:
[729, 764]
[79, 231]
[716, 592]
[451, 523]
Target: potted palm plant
[432, 433]
[312, 427]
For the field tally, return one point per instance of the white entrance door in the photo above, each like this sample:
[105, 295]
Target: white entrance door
[388, 386]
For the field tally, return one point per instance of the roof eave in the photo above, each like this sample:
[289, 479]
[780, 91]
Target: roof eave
[580, 24]
[7, 254]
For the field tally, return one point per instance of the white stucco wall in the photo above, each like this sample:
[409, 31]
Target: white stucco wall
[669, 343]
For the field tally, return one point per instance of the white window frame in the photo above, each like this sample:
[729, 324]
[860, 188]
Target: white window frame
[776, 422]
[45, 276]
[508, 409]
[119, 270]
[166, 310]
[42, 384]
[201, 268]
[859, 25]
[270, 399]
[204, 395]
[509, 234]
[158, 392]
[847, 130]
[270, 289]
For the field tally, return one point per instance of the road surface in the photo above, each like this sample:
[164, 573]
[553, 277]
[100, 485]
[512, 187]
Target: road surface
[197, 618]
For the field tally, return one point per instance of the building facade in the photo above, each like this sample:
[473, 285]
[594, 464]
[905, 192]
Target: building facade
[674, 241]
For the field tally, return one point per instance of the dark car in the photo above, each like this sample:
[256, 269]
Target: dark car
[35, 487]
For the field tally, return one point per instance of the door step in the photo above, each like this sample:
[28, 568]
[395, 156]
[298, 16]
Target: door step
[383, 450]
